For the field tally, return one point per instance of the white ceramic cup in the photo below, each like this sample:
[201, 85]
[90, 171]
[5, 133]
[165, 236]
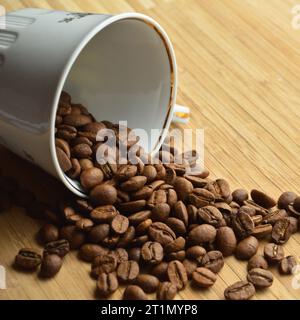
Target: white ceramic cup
[122, 67]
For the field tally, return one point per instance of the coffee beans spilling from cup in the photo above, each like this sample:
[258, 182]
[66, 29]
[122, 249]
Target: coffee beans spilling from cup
[152, 226]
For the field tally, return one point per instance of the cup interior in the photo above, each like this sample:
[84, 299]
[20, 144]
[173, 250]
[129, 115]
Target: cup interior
[125, 73]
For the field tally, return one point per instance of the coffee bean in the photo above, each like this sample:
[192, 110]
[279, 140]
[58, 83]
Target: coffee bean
[132, 206]
[197, 182]
[260, 278]
[120, 224]
[143, 227]
[213, 260]
[75, 237]
[226, 241]
[66, 132]
[257, 219]
[85, 164]
[170, 175]
[121, 255]
[262, 231]
[210, 215]
[51, 265]
[160, 270]
[296, 204]
[239, 196]
[88, 252]
[273, 252]
[220, 188]
[98, 233]
[196, 253]
[59, 247]
[104, 263]
[128, 270]
[126, 172]
[177, 274]
[286, 199]
[160, 212]
[262, 199]
[282, 231]
[190, 266]
[103, 194]
[64, 146]
[134, 184]
[274, 216]
[77, 120]
[258, 209]
[178, 255]
[84, 224]
[142, 194]
[91, 178]
[150, 173]
[257, 261]
[166, 291]
[242, 224]
[177, 245]
[134, 254]
[152, 252]
[246, 248]
[202, 234]
[147, 282]
[160, 232]
[183, 188]
[48, 233]
[134, 292]
[241, 290]
[180, 212]
[204, 277]
[111, 241]
[156, 198]
[28, 259]
[287, 265]
[107, 284]
[139, 217]
[126, 238]
[176, 225]
[201, 197]
[104, 213]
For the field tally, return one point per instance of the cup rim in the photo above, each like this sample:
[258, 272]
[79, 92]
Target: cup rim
[65, 72]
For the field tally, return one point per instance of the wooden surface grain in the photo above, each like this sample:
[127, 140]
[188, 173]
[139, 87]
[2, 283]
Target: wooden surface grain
[239, 71]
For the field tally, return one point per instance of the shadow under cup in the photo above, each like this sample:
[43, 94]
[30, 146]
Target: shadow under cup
[126, 72]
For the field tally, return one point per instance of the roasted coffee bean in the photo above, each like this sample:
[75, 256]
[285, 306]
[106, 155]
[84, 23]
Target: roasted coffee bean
[273, 216]
[178, 255]
[84, 224]
[77, 120]
[166, 291]
[69, 214]
[201, 197]
[176, 225]
[282, 231]
[64, 146]
[177, 274]
[28, 259]
[128, 270]
[177, 245]
[107, 284]
[88, 252]
[91, 178]
[160, 232]
[104, 214]
[170, 175]
[156, 198]
[287, 265]
[142, 194]
[134, 292]
[81, 140]
[51, 265]
[192, 213]
[213, 260]
[202, 234]
[76, 169]
[190, 266]
[75, 237]
[126, 172]
[66, 132]
[160, 270]
[180, 212]
[293, 212]
[249, 210]
[81, 151]
[152, 252]
[134, 254]
[150, 173]
[258, 209]
[120, 224]
[239, 196]
[126, 238]
[83, 206]
[262, 231]
[103, 194]
[160, 212]
[204, 277]
[86, 164]
[134, 184]
[60, 247]
[273, 252]
[262, 199]
[296, 204]
[160, 171]
[210, 215]
[111, 241]
[241, 290]
[147, 282]
[104, 263]
[183, 188]
[286, 199]
[48, 233]
[242, 224]
[197, 181]
[139, 217]
[98, 233]
[220, 188]
[121, 255]
[246, 248]
[196, 253]
[226, 241]
[257, 219]
[260, 278]
[257, 261]
[132, 206]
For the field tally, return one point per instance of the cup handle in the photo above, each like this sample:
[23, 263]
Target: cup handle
[181, 114]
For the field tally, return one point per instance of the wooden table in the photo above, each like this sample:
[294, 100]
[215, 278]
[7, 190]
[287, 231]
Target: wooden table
[239, 71]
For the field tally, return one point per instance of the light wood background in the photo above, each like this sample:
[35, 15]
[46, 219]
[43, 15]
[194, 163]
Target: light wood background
[239, 71]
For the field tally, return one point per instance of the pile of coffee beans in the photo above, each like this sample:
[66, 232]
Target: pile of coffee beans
[153, 227]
